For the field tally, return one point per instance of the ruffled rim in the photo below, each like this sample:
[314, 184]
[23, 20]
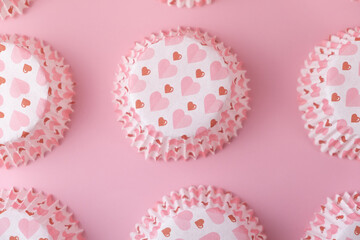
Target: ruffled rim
[335, 215]
[330, 134]
[201, 196]
[50, 129]
[187, 3]
[10, 8]
[158, 147]
[45, 210]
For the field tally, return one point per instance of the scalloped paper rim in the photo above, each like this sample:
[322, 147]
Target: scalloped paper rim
[200, 196]
[187, 3]
[336, 144]
[50, 129]
[45, 209]
[158, 147]
[9, 8]
[337, 213]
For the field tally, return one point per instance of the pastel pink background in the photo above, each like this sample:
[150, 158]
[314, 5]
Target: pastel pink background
[272, 164]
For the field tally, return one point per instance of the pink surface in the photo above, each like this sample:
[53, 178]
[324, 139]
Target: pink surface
[271, 164]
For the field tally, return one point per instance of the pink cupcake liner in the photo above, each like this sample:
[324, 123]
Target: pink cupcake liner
[339, 219]
[9, 8]
[328, 95]
[187, 3]
[33, 113]
[26, 214]
[180, 94]
[203, 213]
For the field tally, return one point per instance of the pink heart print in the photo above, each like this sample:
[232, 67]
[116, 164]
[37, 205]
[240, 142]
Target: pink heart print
[334, 78]
[182, 220]
[28, 227]
[4, 225]
[41, 78]
[135, 84]
[166, 69]
[189, 87]
[212, 105]
[180, 120]
[211, 236]
[19, 87]
[348, 49]
[353, 98]
[20, 54]
[42, 108]
[195, 54]
[241, 233]
[170, 41]
[147, 54]
[216, 215]
[157, 102]
[217, 71]
[19, 120]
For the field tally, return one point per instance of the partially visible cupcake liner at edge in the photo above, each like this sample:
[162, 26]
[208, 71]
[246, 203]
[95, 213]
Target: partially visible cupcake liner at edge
[176, 217]
[332, 135]
[28, 214]
[154, 144]
[10, 8]
[187, 3]
[51, 127]
[339, 218]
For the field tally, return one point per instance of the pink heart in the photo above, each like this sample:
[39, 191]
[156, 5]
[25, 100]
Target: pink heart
[19, 54]
[19, 87]
[216, 215]
[212, 105]
[348, 49]
[241, 233]
[18, 120]
[147, 54]
[343, 128]
[166, 70]
[217, 71]
[157, 102]
[173, 40]
[352, 98]
[182, 220]
[4, 225]
[334, 78]
[41, 78]
[189, 87]
[42, 108]
[28, 228]
[180, 120]
[195, 54]
[211, 236]
[135, 84]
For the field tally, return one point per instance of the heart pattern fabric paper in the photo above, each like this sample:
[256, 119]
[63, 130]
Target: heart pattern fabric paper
[179, 86]
[329, 95]
[9, 8]
[36, 93]
[339, 219]
[200, 213]
[180, 95]
[187, 3]
[23, 92]
[35, 216]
